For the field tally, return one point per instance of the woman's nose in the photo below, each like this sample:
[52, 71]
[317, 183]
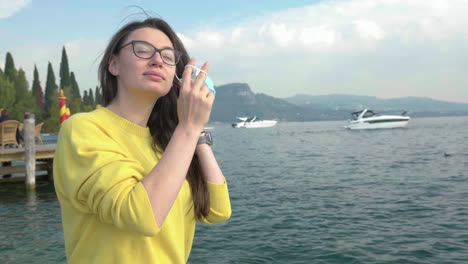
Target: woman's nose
[156, 59]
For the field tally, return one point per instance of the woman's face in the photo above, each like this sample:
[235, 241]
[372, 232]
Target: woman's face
[147, 77]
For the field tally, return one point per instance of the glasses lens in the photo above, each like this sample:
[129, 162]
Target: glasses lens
[170, 56]
[146, 51]
[143, 50]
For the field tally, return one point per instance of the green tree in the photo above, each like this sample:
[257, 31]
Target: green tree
[7, 93]
[10, 70]
[86, 98]
[52, 123]
[64, 70]
[75, 102]
[21, 85]
[78, 106]
[51, 90]
[91, 98]
[37, 91]
[98, 96]
[24, 101]
[74, 86]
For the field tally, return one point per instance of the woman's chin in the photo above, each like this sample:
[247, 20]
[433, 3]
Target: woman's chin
[154, 91]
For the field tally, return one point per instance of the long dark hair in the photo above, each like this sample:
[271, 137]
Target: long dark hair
[163, 118]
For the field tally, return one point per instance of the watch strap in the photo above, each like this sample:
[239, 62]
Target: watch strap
[205, 138]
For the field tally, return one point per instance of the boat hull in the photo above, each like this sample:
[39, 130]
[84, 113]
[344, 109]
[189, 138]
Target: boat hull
[256, 124]
[378, 125]
[367, 119]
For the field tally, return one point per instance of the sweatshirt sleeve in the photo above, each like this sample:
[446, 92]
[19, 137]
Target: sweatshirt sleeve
[95, 176]
[220, 205]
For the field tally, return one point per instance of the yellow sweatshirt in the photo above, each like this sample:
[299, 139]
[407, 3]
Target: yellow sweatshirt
[99, 163]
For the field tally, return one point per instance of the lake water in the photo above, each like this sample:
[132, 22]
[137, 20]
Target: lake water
[305, 193]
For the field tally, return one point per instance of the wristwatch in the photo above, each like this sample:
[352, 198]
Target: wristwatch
[205, 138]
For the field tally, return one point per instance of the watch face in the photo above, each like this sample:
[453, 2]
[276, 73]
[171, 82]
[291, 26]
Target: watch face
[205, 139]
[209, 140]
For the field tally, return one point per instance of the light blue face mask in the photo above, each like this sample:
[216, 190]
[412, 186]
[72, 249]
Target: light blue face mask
[195, 72]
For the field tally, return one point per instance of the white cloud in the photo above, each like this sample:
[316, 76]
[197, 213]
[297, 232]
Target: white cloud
[369, 30]
[280, 34]
[317, 35]
[236, 34]
[210, 39]
[373, 47]
[9, 7]
[188, 42]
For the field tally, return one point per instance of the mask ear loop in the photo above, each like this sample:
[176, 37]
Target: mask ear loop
[180, 80]
[197, 71]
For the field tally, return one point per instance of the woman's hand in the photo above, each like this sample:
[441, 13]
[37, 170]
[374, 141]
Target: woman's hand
[195, 100]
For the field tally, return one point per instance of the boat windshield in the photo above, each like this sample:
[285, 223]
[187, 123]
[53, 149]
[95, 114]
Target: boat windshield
[355, 115]
[369, 114]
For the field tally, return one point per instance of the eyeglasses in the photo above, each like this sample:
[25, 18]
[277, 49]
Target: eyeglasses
[145, 50]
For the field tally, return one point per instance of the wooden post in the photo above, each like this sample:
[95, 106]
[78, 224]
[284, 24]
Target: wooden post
[30, 151]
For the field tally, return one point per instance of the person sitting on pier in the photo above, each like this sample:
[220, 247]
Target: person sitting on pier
[135, 176]
[5, 115]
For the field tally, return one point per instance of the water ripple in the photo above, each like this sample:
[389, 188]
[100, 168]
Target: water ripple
[307, 193]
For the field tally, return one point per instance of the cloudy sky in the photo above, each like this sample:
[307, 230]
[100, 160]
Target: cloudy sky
[383, 48]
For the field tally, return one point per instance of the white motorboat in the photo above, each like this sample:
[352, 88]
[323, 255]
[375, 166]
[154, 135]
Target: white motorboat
[253, 122]
[367, 119]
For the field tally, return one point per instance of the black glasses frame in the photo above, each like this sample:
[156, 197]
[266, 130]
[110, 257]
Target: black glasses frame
[177, 54]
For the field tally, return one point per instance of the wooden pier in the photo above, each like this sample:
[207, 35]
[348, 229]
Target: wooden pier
[44, 157]
[36, 157]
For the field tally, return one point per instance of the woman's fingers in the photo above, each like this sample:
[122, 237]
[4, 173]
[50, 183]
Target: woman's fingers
[187, 75]
[200, 80]
[204, 91]
[195, 100]
[210, 97]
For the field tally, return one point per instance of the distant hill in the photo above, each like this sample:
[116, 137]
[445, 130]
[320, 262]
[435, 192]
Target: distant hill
[343, 101]
[238, 99]
[415, 106]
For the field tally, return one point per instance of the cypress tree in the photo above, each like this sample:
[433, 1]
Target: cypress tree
[86, 98]
[52, 123]
[64, 70]
[37, 90]
[74, 86]
[98, 96]
[91, 97]
[10, 71]
[51, 90]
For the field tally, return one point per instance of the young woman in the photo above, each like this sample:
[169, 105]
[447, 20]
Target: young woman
[135, 176]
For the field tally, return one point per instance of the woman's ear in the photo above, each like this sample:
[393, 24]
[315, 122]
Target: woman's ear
[114, 65]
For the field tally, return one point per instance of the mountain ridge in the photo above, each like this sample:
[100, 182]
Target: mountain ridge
[238, 99]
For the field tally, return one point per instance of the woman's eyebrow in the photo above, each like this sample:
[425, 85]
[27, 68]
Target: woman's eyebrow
[166, 47]
[156, 46]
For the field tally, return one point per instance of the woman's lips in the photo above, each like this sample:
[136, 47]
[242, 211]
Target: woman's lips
[153, 76]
